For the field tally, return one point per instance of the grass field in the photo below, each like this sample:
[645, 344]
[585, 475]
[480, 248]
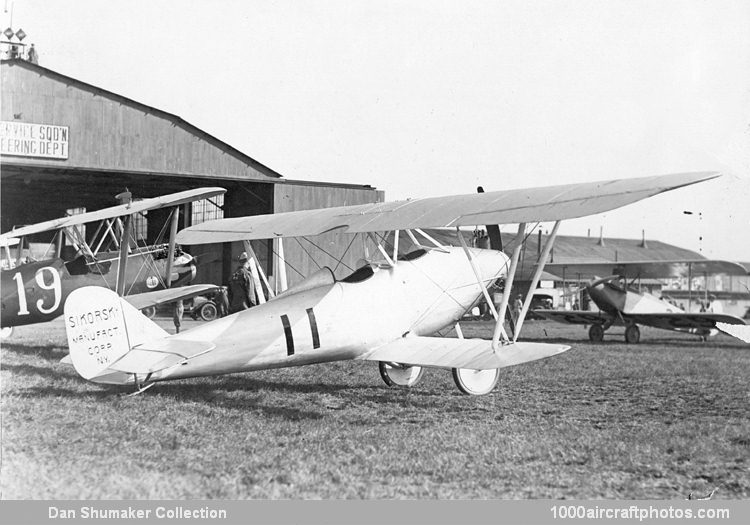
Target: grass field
[662, 419]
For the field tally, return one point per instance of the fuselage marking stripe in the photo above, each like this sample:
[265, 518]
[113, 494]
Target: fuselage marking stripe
[288, 335]
[313, 328]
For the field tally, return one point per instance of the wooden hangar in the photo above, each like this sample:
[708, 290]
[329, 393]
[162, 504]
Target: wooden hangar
[68, 145]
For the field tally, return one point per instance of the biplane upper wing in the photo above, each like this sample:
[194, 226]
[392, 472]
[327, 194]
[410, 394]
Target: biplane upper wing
[644, 269]
[157, 297]
[120, 210]
[500, 207]
[475, 354]
[683, 320]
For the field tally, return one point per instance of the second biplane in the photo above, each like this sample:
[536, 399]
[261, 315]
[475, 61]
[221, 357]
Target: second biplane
[35, 291]
[387, 311]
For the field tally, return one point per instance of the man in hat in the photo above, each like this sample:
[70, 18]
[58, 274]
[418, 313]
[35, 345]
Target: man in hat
[241, 287]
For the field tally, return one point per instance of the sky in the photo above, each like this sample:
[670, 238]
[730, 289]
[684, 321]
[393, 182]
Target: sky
[427, 98]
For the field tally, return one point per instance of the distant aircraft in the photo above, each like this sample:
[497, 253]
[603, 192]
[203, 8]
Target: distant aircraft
[386, 311]
[622, 305]
[35, 292]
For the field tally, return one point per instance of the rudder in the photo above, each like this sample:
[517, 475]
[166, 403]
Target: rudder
[101, 328]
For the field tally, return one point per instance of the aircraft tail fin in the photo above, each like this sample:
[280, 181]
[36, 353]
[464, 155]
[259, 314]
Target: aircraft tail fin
[102, 328]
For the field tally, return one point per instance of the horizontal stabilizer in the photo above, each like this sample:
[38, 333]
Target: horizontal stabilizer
[740, 331]
[157, 297]
[475, 354]
[159, 355]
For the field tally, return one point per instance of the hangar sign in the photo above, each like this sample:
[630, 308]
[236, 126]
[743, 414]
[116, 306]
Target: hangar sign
[33, 140]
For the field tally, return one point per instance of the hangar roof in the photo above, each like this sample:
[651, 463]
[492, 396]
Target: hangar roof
[174, 119]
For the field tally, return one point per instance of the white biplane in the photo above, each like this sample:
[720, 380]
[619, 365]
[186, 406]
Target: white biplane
[387, 311]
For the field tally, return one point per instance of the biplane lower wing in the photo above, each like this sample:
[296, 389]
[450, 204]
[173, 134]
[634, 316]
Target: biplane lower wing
[157, 297]
[740, 331]
[683, 321]
[475, 354]
[575, 316]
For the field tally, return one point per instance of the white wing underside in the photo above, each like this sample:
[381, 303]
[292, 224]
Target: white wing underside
[500, 207]
[741, 332]
[475, 354]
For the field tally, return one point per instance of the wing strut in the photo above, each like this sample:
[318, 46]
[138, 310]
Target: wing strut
[124, 245]
[281, 284]
[170, 251]
[476, 274]
[535, 279]
[258, 273]
[506, 290]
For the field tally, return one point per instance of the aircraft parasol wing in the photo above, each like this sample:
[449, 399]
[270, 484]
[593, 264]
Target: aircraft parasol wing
[644, 269]
[120, 210]
[500, 207]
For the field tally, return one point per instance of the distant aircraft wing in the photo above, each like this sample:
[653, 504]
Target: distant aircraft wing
[157, 297]
[574, 316]
[683, 321]
[644, 269]
[741, 332]
[500, 207]
[120, 210]
[444, 352]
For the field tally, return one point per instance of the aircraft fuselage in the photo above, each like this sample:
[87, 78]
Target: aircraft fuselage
[343, 320]
[35, 292]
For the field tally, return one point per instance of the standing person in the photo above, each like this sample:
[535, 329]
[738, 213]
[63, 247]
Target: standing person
[517, 306]
[222, 302]
[241, 287]
[32, 55]
[179, 309]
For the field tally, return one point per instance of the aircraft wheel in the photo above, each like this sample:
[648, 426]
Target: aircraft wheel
[6, 332]
[405, 376]
[208, 311]
[476, 382]
[149, 311]
[632, 334]
[596, 333]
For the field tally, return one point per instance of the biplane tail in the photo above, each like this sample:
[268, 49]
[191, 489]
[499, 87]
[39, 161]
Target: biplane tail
[102, 329]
